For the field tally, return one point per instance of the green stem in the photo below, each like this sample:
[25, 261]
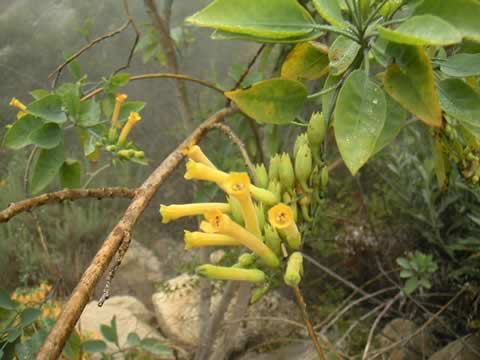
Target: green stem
[94, 175]
[323, 92]
[336, 30]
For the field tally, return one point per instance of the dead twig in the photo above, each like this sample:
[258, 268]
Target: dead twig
[135, 41]
[60, 196]
[53, 345]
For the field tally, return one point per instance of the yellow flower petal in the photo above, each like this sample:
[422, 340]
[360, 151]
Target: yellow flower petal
[199, 171]
[173, 212]
[199, 239]
[196, 154]
[281, 217]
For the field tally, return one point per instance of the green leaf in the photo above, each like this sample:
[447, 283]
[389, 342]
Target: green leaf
[226, 35]
[411, 83]
[24, 351]
[278, 19]
[120, 79]
[94, 346]
[411, 285]
[5, 301]
[29, 316]
[48, 136]
[49, 108]
[18, 135]
[70, 174]
[461, 102]
[341, 54]
[89, 114]
[133, 339]
[406, 274]
[394, 122]
[46, 167]
[274, 101]
[404, 263]
[155, 347]
[128, 107]
[463, 14]
[306, 61]
[359, 119]
[73, 347]
[70, 94]
[330, 11]
[39, 93]
[462, 65]
[110, 332]
[327, 98]
[423, 30]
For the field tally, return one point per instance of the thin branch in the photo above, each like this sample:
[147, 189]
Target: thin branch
[53, 345]
[252, 62]
[60, 196]
[241, 146]
[135, 41]
[159, 76]
[56, 73]
[168, 47]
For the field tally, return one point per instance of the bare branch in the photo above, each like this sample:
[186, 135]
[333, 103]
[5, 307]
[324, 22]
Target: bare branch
[60, 196]
[135, 41]
[53, 345]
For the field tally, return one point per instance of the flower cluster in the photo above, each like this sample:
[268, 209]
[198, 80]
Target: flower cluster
[253, 216]
[39, 296]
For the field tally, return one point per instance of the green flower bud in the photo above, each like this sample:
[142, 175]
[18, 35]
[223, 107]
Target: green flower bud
[246, 260]
[316, 130]
[258, 293]
[236, 210]
[293, 274]
[272, 239]
[301, 140]
[139, 154]
[127, 154]
[228, 273]
[276, 188]
[305, 213]
[303, 166]
[324, 178]
[260, 215]
[265, 196]
[286, 172]
[274, 167]
[111, 148]
[261, 176]
[287, 199]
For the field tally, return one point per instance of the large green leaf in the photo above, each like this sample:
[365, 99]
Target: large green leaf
[46, 167]
[48, 136]
[49, 108]
[70, 174]
[463, 14]
[462, 65]
[394, 121]
[359, 119]
[70, 94]
[461, 102]
[341, 54]
[89, 114]
[18, 135]
[274, 19]
[226, 35]
[275, 101]
[423, 30]
[330, 11]
[411, 82]
[306, 61]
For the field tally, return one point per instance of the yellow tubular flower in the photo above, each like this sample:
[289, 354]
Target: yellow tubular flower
[119, 100]
[237, 185]
[281, 217]
[18, 104]
[199, 239]
[133, 118]
[173, 212]
[227, 273]
[196, 154]
[199, 171]
[224, 225]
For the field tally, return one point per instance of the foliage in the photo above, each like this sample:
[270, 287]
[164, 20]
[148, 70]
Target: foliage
[417, 269]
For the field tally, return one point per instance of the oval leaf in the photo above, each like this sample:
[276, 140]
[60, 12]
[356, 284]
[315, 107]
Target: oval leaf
[275, 101]
[70, 174]
[259, 18]
[49, 108]
[18, 135]
[463, 14]
[461, 102]
[330, 11]
[5, 301]
[94, 346]
[308, 61]
[341, 54]
[46, 167]
[226, 35]
[89, 114]
[48, 136]
[411, 83]
[29, 316]
[359, 119]
[462, 65]
[423, 30]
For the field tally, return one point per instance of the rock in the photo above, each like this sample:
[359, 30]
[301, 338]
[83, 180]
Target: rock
[418, 347]
[130, 316]
[289, 352]
[460, 349]
[177, 311]
[138, 274]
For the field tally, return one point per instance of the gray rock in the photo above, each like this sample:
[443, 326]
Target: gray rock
[418, 347]
[461, 349]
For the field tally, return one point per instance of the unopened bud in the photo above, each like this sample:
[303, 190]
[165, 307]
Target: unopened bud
[301, 140]
[261, 176]
[246, 260]
[303, 166]
[316, 130]
[272, 240]
[286, 172]
[274, 167]
[258, 293]
[293, 274]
